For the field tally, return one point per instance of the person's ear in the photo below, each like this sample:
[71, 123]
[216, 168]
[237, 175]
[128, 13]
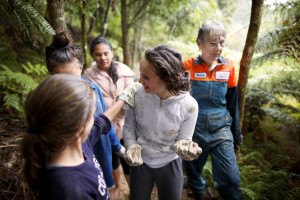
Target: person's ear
[199, 44]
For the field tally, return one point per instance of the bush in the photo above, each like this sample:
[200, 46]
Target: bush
[16, 85]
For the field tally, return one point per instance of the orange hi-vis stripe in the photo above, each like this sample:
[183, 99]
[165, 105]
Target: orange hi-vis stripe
[222, 72]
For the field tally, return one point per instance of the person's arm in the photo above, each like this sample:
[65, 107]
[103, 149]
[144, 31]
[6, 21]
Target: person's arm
[233, 108]
[114, 141]
[187, 128]
[126, 96]
[129, 128]
[184, 146]
[114, 110]
[133, 149]
[102, 125]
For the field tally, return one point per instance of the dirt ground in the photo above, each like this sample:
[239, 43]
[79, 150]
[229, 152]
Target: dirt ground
[209, 193]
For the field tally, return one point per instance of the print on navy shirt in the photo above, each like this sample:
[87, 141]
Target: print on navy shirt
[102, 185]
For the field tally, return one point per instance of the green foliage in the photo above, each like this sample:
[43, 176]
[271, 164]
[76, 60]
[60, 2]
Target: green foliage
[262, 177]
[273, 90]
[7, 54]
[207, 174]
[24, 33]
[282, 42]
[16, 85]
[22, 14]
[37, 72]
[271, 142]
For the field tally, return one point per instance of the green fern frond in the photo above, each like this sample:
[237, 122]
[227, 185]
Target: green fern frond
[279, 115]
[269, 56]
[33, 70]
[269, 39]
[289, 10]
[281, 42]
[283, 38]
[249, 193]
[12, 100]
[21, 13]
[14, 88]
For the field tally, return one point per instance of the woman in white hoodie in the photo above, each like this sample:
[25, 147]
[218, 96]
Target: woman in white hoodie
[160, 127]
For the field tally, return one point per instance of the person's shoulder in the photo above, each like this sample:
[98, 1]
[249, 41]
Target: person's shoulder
[92, 84]
[140, 91]
[189, 61]
[90, 70]
[226, 61]
[124, 70]
[188, 100]
[190, 105]
[61, 174]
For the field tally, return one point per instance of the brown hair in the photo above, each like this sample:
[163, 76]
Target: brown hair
[62, 51]
[55, 112]
[168, 65]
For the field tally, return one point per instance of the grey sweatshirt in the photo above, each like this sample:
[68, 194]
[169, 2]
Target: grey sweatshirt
[157, 124]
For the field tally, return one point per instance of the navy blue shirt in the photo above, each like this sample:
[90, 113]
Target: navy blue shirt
[85, 181]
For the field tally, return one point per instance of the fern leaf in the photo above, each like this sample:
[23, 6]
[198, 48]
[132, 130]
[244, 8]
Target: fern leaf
[12, 100]
[24, 15]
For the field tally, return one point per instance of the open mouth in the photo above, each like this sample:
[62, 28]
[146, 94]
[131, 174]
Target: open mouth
[146, 88]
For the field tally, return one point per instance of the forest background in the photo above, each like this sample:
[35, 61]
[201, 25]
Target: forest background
[269, 158]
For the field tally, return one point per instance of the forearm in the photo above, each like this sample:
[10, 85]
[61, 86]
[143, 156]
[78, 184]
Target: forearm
[114, 140]
[114, 110]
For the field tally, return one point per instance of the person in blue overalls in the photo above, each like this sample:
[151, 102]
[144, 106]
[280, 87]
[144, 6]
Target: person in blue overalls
[217, 131]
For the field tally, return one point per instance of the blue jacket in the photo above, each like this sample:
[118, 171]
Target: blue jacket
[108, 143]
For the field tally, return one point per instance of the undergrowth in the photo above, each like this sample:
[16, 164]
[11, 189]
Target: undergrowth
[15, 85]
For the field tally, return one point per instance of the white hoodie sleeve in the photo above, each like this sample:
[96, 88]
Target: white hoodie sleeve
[129, 128]
[187, 128]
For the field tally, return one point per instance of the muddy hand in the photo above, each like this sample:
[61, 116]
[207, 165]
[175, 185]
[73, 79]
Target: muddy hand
[128, 95]
[134, 157]
[187, 150]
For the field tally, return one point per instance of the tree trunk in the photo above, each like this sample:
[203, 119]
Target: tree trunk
[135, 57]
[255, 21]
[125, 33]
[55, 12]
[105, 24]
[83, 32]
[92, 21]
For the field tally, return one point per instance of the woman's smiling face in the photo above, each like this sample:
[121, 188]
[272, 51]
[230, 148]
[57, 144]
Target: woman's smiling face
[149, 79]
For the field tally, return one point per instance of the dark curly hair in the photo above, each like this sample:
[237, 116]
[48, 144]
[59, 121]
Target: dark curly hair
[112, 71]
[168, 65]
[62, 51]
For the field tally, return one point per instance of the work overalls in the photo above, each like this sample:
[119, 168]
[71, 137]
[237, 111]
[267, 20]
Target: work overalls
[216, 94]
